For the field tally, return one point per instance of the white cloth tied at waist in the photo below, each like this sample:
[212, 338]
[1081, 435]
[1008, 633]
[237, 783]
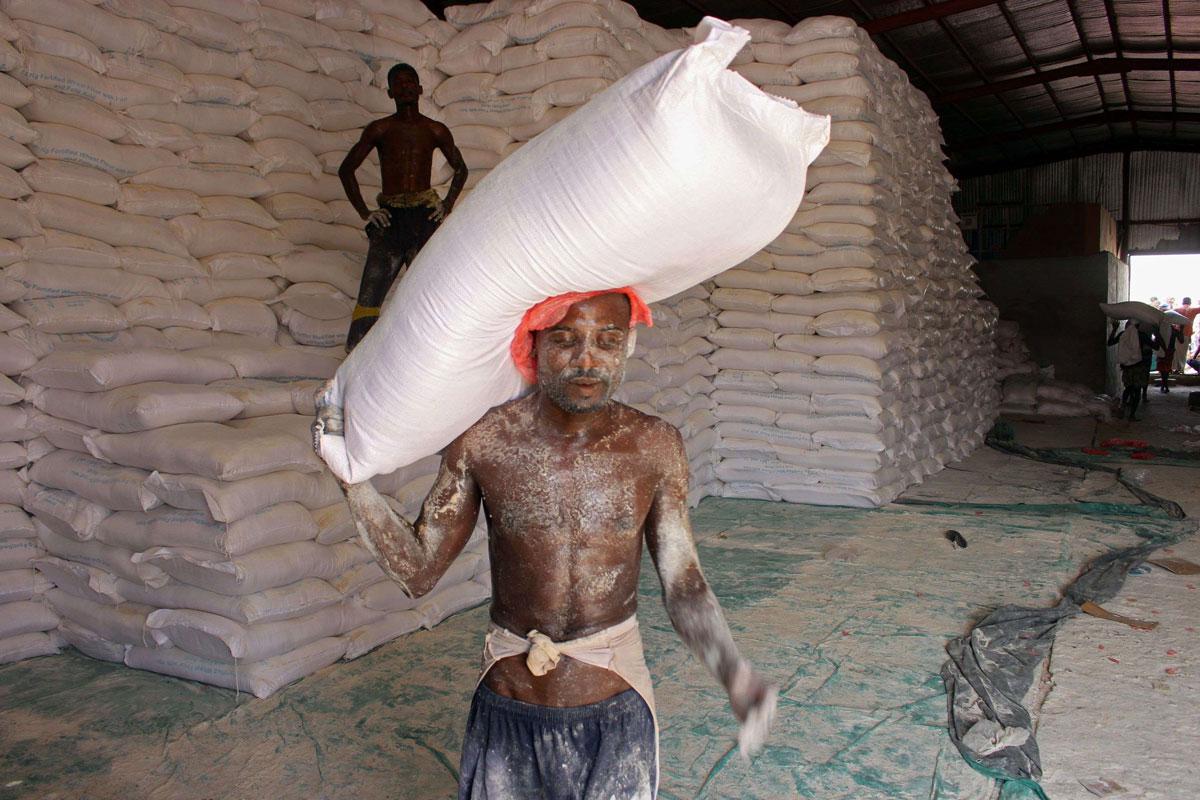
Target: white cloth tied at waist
[617, 649]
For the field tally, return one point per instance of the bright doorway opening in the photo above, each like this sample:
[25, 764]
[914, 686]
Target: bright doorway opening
[1164, 279]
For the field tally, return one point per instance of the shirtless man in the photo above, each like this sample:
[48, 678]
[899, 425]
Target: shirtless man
[571, 482]
[409, 209]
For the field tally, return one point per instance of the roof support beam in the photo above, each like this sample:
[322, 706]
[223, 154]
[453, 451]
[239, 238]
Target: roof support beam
[1012, 23]
[926, 14]
[948, 29]
[1100, 66]
[1168, 221]
[1111, 13]
[1166, 7]
[1128, 145]
[1105, 118]
[1087, 52]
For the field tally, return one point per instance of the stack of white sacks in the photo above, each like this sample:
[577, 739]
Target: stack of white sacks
[27, 623]
[1012, 354]
[670, 376]
[1029, 390]
[179, 269]
[1039, 394]
[182, 265]
[855, 357]
[515, 68]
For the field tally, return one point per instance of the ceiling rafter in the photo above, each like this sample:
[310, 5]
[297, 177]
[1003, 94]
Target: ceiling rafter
[1087, 53]
[1024, 45]
[1123, 145]
[1108, 118]
[944, 24]
[926, 14]
[1166, 6]
[1111, 14]
[1099, 66]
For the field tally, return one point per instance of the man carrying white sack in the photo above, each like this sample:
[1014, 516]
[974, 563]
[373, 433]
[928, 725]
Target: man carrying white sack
[571, 481]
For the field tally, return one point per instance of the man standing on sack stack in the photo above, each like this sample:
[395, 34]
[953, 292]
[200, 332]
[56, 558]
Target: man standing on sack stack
[409, 209]
[571, 483]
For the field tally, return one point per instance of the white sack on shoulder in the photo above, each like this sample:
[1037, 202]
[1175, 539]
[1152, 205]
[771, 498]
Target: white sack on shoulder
[700, 204]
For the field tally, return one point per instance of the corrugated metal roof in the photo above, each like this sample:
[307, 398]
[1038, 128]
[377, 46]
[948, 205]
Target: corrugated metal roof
[1164, 194]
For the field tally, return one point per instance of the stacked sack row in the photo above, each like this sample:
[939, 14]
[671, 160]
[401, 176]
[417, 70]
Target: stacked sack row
[1039, 394]
[181, 268]
[27, 623]
[196, 264]
[670, 376]
[855, 356]
[1012, 354]
[210, 138]
[517, 67]
[1029, 390]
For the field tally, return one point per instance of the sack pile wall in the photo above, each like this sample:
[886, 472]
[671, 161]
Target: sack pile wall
[180, 265]
[179, 268]
[28, 624]
[854, 354]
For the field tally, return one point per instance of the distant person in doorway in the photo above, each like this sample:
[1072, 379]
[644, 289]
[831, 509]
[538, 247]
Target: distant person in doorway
[1181, 355]
[1135, 347]
[409, 209]
[1166, 356]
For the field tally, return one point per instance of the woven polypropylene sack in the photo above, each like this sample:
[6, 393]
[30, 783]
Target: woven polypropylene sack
[678, 171]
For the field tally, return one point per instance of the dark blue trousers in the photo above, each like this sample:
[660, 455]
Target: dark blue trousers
[521, 751]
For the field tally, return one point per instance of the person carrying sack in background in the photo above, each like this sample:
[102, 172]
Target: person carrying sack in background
[1166, 356]
[1135, 346]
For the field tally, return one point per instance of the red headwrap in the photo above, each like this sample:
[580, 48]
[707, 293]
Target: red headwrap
[551, 311]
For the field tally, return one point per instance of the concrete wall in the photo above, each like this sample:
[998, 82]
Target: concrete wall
[1067, 230]
[1056, 302]
[1118, 291]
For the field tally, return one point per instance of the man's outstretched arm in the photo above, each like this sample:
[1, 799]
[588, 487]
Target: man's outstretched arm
[692, 607]
[415, 555]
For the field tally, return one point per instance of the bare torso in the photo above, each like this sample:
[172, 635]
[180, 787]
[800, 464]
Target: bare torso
[405, 149]
[565, 518]
[571, 484]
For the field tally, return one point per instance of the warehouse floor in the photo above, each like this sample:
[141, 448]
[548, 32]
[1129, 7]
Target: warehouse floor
[847, 610]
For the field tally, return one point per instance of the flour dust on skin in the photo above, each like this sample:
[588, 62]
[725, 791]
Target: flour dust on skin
[571, 483]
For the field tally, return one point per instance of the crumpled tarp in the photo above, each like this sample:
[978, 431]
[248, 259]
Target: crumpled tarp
[991, 669]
